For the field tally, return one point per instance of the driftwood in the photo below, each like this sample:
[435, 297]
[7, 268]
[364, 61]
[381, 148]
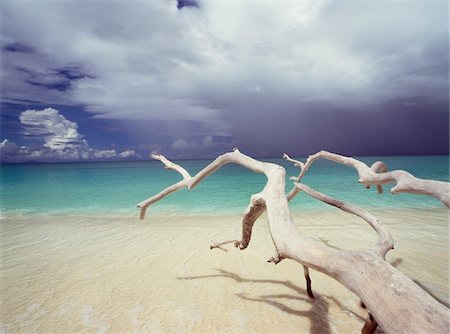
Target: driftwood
[378, 175]
[393, 301]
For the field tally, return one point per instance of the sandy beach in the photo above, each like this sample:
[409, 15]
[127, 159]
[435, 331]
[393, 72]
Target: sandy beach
[195, 110]
[105, 274]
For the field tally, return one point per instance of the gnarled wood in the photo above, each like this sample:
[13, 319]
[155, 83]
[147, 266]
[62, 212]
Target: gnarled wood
[391, 297]
[378, 175]
[255, 209]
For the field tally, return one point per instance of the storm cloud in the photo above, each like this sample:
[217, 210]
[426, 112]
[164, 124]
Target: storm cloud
[358, 78]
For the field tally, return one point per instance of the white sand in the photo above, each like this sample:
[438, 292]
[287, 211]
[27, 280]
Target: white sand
[115, 275]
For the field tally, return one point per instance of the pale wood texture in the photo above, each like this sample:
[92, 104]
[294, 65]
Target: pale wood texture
[378, 175]
[395, 302]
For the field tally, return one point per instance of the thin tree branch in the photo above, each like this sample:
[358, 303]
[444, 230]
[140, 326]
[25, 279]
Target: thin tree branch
[166, 192]
[214, 244]
[171, 165]
[385, 240]
[191, 181]
[378, 175]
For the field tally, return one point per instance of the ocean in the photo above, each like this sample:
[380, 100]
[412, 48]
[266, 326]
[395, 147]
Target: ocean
[116, 187]
[75, 258]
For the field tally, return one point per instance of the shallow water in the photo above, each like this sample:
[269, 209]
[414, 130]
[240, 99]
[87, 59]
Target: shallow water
[117, 187]
[116, 274]
[75, 258]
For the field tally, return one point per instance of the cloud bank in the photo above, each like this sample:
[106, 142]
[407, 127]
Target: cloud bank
[270, 76]
[53, 137]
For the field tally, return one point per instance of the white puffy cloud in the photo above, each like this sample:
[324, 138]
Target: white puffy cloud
[61, 136]
[11, 152]
[53, 138]
[104, 154]
[129, 154]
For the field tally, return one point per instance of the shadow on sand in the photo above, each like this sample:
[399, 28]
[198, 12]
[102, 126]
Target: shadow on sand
[443, 301]
[317, 314]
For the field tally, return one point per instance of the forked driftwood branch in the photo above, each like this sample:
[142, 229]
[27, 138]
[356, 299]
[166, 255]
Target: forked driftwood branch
[377, 174]
[394, 301]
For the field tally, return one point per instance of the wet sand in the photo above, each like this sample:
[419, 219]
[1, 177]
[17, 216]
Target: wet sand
[99, 274]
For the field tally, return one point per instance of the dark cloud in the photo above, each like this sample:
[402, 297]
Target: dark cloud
[187, 3]
[59, 79]
[16, 47]
[358, 78]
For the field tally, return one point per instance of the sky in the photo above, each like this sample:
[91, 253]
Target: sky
[119, 80]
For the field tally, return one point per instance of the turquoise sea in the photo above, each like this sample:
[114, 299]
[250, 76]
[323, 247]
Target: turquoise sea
[116, 187]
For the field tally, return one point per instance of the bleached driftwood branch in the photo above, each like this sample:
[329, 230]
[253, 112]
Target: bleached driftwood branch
[169, 190]
[385, 240]
[378, 175]
[255, 209]
[398, 304]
